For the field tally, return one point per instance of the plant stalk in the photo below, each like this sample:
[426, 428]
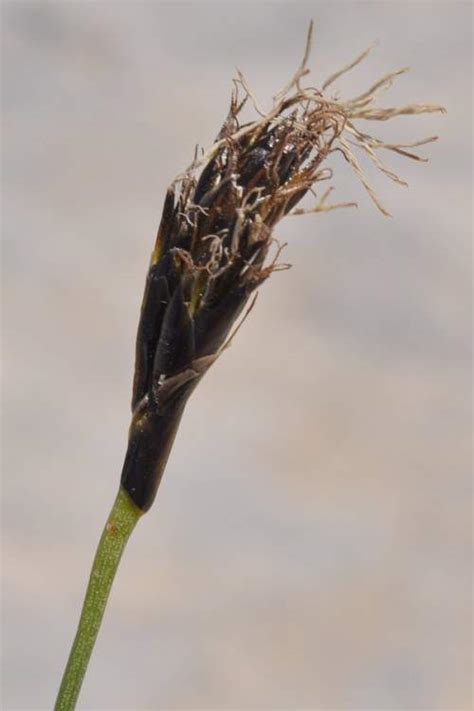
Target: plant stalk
[120, 524]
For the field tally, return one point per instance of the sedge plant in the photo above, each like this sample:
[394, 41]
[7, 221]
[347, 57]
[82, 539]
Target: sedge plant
[215, 246]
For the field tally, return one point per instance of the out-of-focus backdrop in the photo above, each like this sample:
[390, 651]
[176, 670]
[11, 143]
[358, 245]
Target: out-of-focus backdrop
[310, 544]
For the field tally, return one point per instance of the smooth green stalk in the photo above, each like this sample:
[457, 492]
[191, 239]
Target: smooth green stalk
[119, 526]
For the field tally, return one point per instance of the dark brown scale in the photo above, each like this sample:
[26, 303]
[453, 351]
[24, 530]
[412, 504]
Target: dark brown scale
[253, 167]
[275, 213]
[151, 439]
[175, 348]
[187, 281]
[287, 163]
[251, 249]
[167, 267]
[224, 283]
[218, 222]
[154, 305]
[294, 199]
[184, 239]
[214, 194]
[206, 180]
[213, 323]
[168, 220]
[255, 256]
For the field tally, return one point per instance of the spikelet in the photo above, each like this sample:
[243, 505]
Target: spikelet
[216, 232]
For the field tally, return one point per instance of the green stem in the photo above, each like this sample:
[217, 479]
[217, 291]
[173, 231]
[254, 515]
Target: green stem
[119, 526]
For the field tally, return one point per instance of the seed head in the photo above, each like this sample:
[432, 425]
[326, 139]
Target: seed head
[216, 233]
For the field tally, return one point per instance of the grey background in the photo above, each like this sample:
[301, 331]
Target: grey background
[310, 544]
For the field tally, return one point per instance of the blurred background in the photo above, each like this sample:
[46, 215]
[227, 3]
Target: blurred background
[310, 544]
